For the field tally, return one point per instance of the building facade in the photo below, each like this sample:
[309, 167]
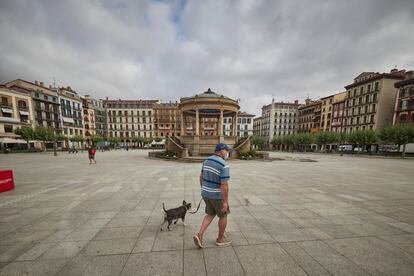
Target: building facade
[166, 120]
[327, 110]
[309, 118]
[371, 100]
[326, 113]
[45, 103]
[96, 112]
[71, 110]
[338, 110]
[257, 126]
[130, 118]
[16, 111]
[244, 125]
[278, 119]
[404, 104]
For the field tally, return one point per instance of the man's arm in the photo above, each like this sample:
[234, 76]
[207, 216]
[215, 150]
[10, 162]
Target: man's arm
[225, 193]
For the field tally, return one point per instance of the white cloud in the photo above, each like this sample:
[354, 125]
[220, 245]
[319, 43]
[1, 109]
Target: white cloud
[251, 50]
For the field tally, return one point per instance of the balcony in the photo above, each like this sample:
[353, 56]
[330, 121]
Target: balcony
[9, 120]
[407, 107]
[6, 105]
[23, 108]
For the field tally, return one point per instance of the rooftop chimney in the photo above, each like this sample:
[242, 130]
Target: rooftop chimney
[296, 101]
[41, 83]
[394, 70]
[36, 82]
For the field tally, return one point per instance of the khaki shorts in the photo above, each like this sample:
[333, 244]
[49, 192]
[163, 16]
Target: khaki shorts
[214, 206]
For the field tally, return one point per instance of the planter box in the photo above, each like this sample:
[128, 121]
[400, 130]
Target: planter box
[6, 181]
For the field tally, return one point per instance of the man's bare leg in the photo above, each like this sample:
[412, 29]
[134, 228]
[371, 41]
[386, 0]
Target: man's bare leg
[222, 224]
[206, 222]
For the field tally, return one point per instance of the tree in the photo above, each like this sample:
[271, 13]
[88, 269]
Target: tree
[276, 141]
[44, 134]
[96, 139]
[307, 139]
[342, 138]
[402, 134]
[139, 140]
[288, 141]
[362, 138]
[114, 141]
[325, 138]
[257, 141]
[58, 137]
[158, 139]
[27, 133]
[385, 135]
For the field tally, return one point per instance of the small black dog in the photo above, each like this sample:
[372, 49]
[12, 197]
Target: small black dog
[175, 214]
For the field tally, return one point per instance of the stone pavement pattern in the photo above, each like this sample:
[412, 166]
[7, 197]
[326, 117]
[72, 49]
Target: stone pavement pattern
[338, 216]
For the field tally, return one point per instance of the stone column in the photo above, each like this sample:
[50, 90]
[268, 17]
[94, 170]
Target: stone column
[234, 125]
[197, 133]
[182, 132]
[220, 123]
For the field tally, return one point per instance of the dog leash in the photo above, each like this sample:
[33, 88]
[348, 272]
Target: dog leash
[198, 207]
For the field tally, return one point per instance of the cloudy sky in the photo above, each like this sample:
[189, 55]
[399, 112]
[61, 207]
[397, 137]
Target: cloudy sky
[249, 49]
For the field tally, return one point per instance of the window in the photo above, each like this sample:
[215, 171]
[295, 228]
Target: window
[8, 128]
[403, 118]
[376, 86]
[4, 101]
[45, 97]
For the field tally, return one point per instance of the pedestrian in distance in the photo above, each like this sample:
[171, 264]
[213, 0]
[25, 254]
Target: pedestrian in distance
[91, 153]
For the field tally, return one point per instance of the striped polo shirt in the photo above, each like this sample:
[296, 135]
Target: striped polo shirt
[214, 170]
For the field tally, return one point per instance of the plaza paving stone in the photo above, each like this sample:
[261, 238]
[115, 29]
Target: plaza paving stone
[340, 215]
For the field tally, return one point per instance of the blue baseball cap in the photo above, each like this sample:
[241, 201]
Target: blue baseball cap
[221, 146]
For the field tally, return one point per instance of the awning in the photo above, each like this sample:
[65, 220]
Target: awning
[7, 110]
[24, 113]
[68, 120]
[11, 141]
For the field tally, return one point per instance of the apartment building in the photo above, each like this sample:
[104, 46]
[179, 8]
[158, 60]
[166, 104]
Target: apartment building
[371, 100]
[45, 102]
[338, 110]
[16, 111]
[71, 110]
[257, 126]
[404, 104]
[327, 110]
[244, 126]
[309, 118]
[130, 118]
[95, 111]
[166, 120]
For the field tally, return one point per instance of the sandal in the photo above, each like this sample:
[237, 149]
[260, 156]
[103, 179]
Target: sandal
[197, 241]
[225, 241]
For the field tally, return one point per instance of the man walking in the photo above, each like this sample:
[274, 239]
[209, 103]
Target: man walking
[215, 192]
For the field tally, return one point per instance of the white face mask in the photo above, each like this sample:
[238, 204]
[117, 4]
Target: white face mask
[226, 156]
